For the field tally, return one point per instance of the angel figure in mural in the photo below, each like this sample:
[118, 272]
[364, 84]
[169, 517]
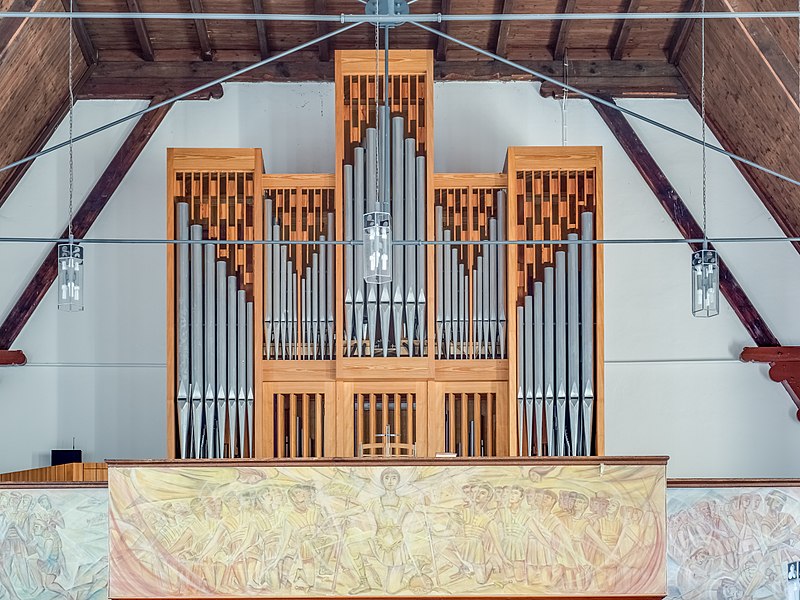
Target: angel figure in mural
[309, 545]
[387, 546]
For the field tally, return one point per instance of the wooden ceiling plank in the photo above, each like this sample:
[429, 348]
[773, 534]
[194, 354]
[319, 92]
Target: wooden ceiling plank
[678, 44]
[261, 28]
[440, 53]
[10, 27]
[206, 51]
[624, 32]
[324, 48]
[145, 45]
[677, 210]
[44, 134]
[87, 47]
[563, 32]
[501, 47]
[87, 214]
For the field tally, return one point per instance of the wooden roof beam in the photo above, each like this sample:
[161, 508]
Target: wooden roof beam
[87, 214]
[501, 48]
[563, 31]
[206, 51]
[678, 44]
[324, 47]
[624, 32]
[672, 203]
[12, 358]
[784, 363]
[261, 28]
[440, 53]
[145, 45]
[82, 35]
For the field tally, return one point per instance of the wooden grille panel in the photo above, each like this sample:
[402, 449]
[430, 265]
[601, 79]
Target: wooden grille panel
[470, 423]
[549, 204]
[467, 210]
[299, 425]
[223, 203]
[376, 414]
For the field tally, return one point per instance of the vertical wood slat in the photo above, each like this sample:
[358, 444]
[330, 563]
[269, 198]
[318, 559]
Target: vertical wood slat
[292, 426]
[280, 404]
[490, 450]
[306, 428]
[319, 449]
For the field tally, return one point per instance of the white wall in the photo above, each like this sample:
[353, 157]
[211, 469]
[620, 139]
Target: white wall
[673, 384]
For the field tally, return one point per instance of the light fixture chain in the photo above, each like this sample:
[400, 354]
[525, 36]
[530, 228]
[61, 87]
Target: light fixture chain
[377, 102]
[703, 116]
[71, 105]
[565, 95]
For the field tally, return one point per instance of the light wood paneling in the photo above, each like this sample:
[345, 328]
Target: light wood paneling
[70, 472]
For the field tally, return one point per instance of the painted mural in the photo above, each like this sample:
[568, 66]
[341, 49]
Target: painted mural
[53, 544]
[731, 543]
[378, 531]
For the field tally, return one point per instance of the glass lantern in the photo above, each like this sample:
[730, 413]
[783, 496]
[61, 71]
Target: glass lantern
[705, 283]
[70, 277]
[377, 247]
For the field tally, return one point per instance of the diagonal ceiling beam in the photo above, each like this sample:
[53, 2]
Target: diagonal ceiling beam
[261, 28]
[563, 31]
[87, 214]
[206, 52]
[440, 53]
[321, 8]
[624, 32]
[145, 45]
[501, 48]
[12, 358]
[82, 35]
[45, 133]
[678, 44]
[684, 221]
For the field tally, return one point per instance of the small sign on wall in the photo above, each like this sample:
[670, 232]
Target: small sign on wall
[793, 580]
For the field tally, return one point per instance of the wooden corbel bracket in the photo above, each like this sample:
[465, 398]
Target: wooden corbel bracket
[15, 358]
[784, 367]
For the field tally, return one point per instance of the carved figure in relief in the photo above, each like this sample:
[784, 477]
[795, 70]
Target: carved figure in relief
[309, 546]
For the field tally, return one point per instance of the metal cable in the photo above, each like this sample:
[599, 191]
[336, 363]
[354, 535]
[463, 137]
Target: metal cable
[377, 109]
[602, 242]
[402, 19]
[191, 92]
[71, 110]
[703, 118]
[609, 104]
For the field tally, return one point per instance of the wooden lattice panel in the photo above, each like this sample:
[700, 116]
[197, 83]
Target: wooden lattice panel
[298, 420]
[470, 423]
[223, 203]
[377, 414]
[549, 203]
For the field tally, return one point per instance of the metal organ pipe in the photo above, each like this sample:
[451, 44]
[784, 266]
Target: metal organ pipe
[250, 396]
[549, 359]
[410, 226]
[241, 373]
[210, 346]
[196, 327]
[222, 355]
[348, 257]
[182, 397]
[587, 331]
[573, 344]
[232, 350]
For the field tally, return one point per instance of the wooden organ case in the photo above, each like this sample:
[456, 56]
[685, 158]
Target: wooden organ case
[485, 346]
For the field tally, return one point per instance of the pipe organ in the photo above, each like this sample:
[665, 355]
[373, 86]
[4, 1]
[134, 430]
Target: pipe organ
[487, 341]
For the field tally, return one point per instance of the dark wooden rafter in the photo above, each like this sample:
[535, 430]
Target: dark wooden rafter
[206, 51]
[12, 358]
[440, 53]
[784, 367]
[563, 31]
[10, 27]
[501, 47]
[85, 217]
[684, 221]
[82, 35]
[624, 32]
[261, 29]
[678, 44]
[324, 48]
[145, 45]
[44, 134]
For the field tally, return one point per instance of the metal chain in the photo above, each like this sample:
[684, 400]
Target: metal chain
[565, 95]
[703, 116]
[377, 108]
[71, 105]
